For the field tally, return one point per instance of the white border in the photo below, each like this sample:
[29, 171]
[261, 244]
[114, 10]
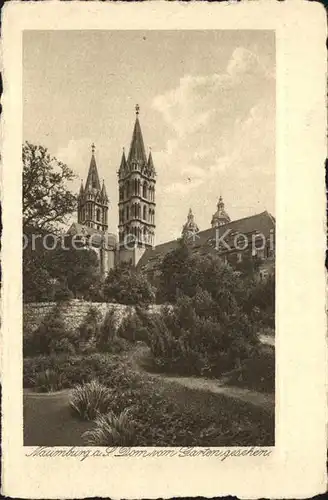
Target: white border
[296, 468]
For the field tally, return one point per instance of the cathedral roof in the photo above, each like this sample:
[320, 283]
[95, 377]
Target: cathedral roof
[93, 177]
[262, 223]
[137, 148]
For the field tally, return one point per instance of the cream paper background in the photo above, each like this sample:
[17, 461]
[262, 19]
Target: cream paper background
[296, 467]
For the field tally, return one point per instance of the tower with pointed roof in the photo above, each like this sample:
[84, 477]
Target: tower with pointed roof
[190, 228]
[220, 217]
[136, 181]
[93, 201]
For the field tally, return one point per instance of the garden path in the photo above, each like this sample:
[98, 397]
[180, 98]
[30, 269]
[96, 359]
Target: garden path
[140, 361]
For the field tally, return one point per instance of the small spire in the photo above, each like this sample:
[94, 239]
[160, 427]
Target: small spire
[220, 202]
[190, 228]
[137, 109]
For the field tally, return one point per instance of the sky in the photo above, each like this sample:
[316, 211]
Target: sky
[207, 111]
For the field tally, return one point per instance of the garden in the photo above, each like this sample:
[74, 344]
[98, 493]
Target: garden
[93, 385]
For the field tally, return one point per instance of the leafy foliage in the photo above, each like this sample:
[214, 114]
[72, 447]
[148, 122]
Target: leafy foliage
[89, 328]
[127, 285]
[52, 336]
[111, 430]
[259, 301]
[107, 331]
[59, 273]
[46, 200]
[132, 327]
[162, 414]
[49, 380]
[90, 399]
[199, 336]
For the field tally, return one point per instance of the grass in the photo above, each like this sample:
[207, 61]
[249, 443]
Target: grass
[48, 421]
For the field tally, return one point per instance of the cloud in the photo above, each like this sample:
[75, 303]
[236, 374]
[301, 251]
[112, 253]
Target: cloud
[214, 118]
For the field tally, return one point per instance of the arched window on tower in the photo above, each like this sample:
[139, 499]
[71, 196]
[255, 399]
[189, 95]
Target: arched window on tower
[138, 190]
[135, 186]
[144, 189]
[98, 215]
[144, 212]
[121, 193]
[127, 213]
[127, 188]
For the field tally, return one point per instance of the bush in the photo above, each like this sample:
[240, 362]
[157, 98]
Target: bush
[75, 369]
[62, 293]
[132, 327]
[257, 372]
[89, 329]
[50, 337]
[198, 337]
[37, 283]
[111, 430]
[49, 380]
[90, 399]
[126, 285]
[107, 331]
[259, 301]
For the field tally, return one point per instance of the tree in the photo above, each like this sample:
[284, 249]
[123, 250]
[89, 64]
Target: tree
[51, 274]
[46, 199]
[126, 285]
[183, 272]
[77, 268]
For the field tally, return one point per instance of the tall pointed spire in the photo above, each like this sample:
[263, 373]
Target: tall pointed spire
[136, 189]
[122, 168]
[150, 162]
[93, 177]
[103, 191]
[137, 149]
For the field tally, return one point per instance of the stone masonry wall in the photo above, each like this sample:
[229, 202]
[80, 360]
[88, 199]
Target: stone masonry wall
[73, 312]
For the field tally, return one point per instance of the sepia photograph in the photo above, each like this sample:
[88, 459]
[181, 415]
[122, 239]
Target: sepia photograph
[149, 238]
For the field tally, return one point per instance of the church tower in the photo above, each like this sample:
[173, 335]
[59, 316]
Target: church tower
[190, 228]
[220, 217]
[136, 181]
[93, 200]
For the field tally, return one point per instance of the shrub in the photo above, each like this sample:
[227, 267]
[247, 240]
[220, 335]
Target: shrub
[62, 293]
[49, 380]
[198, 336]
[89, 329]
[132, 327]
[126, 285]
[107, 331]
[37, 282]
[257, 372]
[75, 369]
[259, 301]
[111, 430]
[90, 399]
[51, 336]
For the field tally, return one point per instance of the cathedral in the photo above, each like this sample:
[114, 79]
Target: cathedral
[135, 242]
